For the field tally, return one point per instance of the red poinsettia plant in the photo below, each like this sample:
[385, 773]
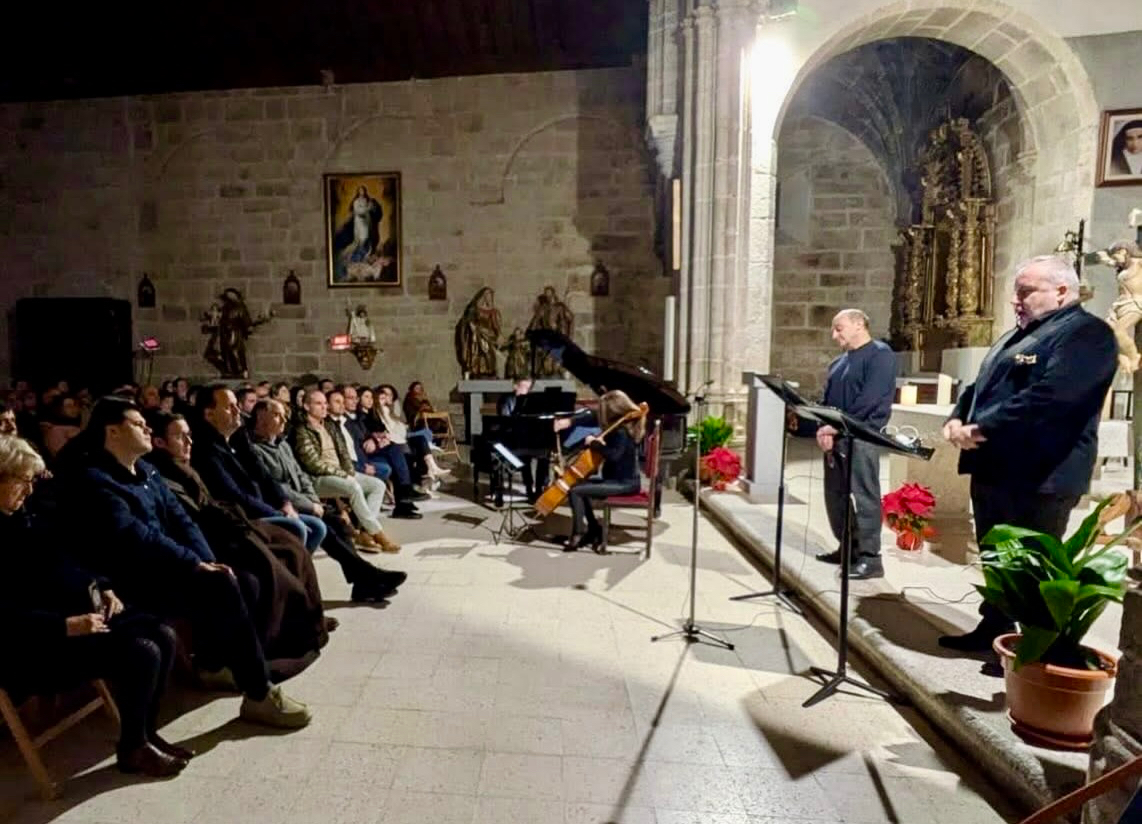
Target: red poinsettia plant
[722, 466]
[906, 512]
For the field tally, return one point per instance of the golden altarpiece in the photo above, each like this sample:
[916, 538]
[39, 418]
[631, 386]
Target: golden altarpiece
[943, 289]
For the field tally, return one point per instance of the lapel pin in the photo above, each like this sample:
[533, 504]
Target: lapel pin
[1026, 359]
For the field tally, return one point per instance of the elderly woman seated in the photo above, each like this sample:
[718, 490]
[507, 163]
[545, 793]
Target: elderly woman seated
[65, 626]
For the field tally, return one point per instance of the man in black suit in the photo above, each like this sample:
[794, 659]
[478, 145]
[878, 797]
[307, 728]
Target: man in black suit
[534, 481]
[1028, 426]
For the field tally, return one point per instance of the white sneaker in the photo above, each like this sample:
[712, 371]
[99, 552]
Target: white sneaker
[432, 447]
[276, 710]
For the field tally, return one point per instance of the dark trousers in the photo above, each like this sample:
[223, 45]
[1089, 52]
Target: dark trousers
[580, 496]
[338, 545]
[224, 634]
[135, 658]
[865, 492]
[994, 505]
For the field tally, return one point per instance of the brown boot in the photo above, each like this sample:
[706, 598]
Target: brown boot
[386, 543]
[364, 542]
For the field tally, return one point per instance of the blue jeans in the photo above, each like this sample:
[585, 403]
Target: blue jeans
[309, 528]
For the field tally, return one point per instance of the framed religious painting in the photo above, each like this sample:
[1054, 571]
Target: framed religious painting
[363, 228]
[1120, 148]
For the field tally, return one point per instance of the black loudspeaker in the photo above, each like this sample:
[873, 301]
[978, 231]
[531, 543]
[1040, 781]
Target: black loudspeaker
[85, 341]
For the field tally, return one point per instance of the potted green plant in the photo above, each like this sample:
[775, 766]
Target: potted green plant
[1055, 590]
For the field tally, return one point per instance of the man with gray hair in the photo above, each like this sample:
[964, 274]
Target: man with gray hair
[1028, 426]
[862, 384]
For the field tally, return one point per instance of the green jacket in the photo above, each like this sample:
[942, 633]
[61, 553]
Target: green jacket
[307, 450]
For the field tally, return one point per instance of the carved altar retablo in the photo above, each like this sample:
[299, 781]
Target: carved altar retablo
[943, 289]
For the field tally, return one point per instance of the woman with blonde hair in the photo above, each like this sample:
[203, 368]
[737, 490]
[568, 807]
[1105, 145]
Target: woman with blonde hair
[67, 626]
[620, 475]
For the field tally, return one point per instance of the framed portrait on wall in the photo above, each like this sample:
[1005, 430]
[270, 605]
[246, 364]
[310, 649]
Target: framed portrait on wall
[363, 228]
[1120, 148]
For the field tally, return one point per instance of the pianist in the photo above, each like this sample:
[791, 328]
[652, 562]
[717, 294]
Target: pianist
[619, 474]
[534, 481]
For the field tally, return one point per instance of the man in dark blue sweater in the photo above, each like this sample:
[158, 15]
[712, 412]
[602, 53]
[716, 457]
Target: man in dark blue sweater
[862, 384]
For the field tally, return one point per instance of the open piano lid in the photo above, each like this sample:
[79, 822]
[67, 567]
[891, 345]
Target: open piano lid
[603, 375]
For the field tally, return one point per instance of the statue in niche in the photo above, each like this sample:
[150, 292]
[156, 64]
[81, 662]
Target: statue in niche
[550, 313]
[600, 281]
[291, 290]
[362, 336]
[1126, 311]
[437, 285]
[478, 335]
[229, 324]
[517, 350]
[146, 293]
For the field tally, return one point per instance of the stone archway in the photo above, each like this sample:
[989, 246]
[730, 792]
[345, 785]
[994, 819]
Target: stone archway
[1052, 92]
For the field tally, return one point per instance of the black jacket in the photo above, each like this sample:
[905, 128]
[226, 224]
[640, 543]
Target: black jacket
[1037, 400]
[232, 472]
[620, 457]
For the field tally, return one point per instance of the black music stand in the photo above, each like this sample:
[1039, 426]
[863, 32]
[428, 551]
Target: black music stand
[506, 464]
[793, 401]
[850, 430]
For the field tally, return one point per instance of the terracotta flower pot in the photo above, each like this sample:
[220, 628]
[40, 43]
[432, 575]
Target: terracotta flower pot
[911, 541]
[1054, 705]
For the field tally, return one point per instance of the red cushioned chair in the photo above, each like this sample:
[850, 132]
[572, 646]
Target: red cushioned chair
[644, 499]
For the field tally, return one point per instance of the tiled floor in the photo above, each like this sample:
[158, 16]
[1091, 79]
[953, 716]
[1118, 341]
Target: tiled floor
[513, 683]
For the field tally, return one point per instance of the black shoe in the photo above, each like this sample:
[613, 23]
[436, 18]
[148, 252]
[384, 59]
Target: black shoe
[167, 748]
[833, 557]
[148, 760]
[594, 537]
[383, 585]
[978, 640]
[868, 566]
[405, 510]
[573, 543]
[419, 496]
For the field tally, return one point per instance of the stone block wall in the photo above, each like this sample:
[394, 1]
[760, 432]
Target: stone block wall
[511, 181]
[847, 260]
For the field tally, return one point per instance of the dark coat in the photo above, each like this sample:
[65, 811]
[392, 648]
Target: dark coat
[46, 588]
[1037, 400]
[134, 532]
[233, 476]
[288, 614]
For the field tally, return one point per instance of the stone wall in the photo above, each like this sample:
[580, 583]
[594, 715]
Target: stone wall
[839, 257]
[512, 181]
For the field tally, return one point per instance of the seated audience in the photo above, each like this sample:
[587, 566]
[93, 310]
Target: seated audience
[274, 569]
[137, 535]
[225, 460]
[384, 414]
[66, 625]
[368, 452]
[7, 420]
[277, 458]
[321, 452]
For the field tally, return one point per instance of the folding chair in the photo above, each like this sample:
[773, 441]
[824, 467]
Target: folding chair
[30, 747]
[645, 497]
[446, 439]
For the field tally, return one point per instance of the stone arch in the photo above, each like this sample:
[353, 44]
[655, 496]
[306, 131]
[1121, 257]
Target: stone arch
[1051, 89]
[629, 134]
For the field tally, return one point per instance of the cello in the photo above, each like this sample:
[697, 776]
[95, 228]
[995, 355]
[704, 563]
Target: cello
[584, 465]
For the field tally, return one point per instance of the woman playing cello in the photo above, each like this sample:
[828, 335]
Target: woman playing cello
[620, 474]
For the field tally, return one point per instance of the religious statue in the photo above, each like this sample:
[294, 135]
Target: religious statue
[478, 335]
[362, 337]
[1126, 310]
[550, 313]
[515, 361]
[229, 324]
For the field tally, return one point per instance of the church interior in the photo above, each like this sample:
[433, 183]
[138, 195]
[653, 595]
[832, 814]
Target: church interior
[448, 253]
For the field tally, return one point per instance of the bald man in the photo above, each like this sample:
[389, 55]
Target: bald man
[862, 384]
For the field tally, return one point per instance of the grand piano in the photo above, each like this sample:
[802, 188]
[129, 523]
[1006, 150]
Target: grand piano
[531, 435]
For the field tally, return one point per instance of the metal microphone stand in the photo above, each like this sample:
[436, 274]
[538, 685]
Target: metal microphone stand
[690, 630]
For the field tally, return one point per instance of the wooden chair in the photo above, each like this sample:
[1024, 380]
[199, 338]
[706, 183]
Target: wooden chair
[446, 440]
[30, 747]
[643, 499]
